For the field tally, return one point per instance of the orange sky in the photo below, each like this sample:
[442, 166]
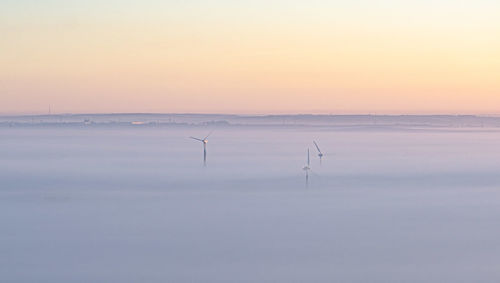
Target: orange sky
[261, 57]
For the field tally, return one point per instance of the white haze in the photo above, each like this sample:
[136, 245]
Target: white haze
[135, 204]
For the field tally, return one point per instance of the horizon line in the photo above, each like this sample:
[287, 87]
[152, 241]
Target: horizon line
[254, 114]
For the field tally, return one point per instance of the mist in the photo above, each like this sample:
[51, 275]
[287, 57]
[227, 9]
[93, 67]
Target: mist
[136, 204]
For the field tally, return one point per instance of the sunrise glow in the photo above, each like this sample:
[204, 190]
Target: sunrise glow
[257, 57]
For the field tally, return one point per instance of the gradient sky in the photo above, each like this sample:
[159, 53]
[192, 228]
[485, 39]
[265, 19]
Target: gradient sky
[356, 56]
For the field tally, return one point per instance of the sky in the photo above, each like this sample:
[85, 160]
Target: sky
[250, 57]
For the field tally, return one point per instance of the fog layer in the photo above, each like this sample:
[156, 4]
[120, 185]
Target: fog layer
[136, 204]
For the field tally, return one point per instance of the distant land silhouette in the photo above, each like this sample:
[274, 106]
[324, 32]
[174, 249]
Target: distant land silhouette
[227, 120]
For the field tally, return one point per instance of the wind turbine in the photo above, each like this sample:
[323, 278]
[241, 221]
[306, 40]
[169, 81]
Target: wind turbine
[307, 167]
[320, 154]
[204, 141]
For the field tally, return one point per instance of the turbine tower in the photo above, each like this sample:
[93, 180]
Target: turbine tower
[307, 167]
[204, 141]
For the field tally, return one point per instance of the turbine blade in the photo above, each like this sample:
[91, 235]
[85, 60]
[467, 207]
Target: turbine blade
[317, 147]
[208, 135]
[308, 157]
[196, 139]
